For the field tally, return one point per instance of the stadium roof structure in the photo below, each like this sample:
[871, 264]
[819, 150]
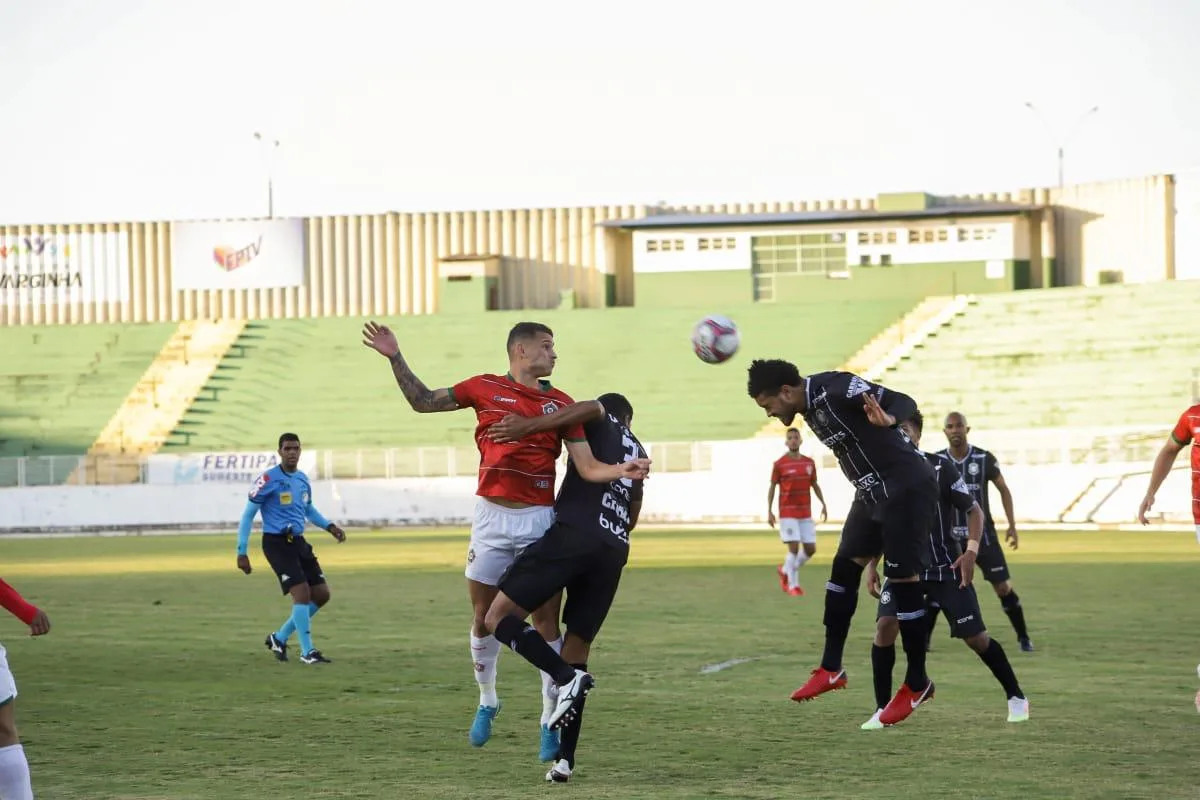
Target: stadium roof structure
[814, 217]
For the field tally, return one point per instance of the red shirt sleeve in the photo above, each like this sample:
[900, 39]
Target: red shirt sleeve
[1182, 433]
[466, 393]
[11, 599]
[775, 472]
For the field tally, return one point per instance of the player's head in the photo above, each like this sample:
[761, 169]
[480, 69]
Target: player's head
[777, 387]
[289, 451]
[531, 349]
[956, 429]
[913, 427]
[618, 405]
[793, 440]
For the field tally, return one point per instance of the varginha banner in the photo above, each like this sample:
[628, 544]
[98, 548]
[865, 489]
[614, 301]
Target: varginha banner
[63, 268]
[249, 254]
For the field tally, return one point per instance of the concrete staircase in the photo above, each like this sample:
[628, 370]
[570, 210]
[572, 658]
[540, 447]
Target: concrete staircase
[157, 402]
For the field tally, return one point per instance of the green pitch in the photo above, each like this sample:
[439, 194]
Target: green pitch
[154, 682]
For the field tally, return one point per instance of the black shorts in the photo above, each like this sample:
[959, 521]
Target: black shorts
[293, 560]
[990, 563]
[961, 606]
[897, 528]
[585, 564]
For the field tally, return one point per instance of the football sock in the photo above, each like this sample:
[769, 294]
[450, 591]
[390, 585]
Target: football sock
[289, 625]
[302, 620]
[841, 598]
[882, 661]
[484, 653]
[14, 774]
[526, 642]
[1016, 615]
[570, 731]
[997, 661]
[910, 611]
[549, 687]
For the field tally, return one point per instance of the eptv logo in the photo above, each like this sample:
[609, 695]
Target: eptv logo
[41, 247]
[229, 258]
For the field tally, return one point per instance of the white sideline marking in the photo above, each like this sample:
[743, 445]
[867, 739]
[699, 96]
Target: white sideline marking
[709, 669]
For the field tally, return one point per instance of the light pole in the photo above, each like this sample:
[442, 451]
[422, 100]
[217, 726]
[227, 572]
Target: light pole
[1062, 143]
[269, 162]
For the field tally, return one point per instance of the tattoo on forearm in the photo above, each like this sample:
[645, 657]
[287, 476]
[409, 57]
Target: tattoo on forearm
[418, 395]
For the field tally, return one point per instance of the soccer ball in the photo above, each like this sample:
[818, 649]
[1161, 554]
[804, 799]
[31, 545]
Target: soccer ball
[715, 339]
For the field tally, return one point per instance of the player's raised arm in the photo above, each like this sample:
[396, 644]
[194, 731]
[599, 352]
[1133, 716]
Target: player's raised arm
[422, 399]
[514, 426]
[597, 472]
[884, 407]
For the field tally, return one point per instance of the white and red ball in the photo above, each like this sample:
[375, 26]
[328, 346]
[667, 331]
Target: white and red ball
[715, 339]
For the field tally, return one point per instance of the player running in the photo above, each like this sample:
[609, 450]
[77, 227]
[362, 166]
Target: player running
[947, 580]
[584, 553]
[796, 477]
[284, 496]
[1185, 432]
[894, 503]
[14, 768]
[515, 504]
[977, 467]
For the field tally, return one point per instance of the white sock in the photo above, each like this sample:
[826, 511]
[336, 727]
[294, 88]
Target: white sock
[549, 687]
[791, 569]
[14, 774]
[484, 653]
[798, 561]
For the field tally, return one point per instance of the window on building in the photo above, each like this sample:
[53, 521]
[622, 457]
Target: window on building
[652, 245]
[891, 237]
[702, 244]
[730, 243]
[799, 254]
[885, 260]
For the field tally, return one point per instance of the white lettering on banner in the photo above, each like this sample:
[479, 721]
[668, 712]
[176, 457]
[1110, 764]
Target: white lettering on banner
[64, 268]
[250, 254]
[236, 468]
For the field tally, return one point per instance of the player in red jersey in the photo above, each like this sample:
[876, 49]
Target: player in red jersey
[515, 504]
[796, 477]
[1186, 431]
[14, 768]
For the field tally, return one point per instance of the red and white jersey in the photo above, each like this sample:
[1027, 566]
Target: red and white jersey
[795, 477]
[1187, 431]
[522, 471]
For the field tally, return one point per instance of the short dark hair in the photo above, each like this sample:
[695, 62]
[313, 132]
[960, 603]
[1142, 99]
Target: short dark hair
[918, 420]
[769, 376]
[525, 330]
[288, 437]
[617, 405]
[793, 430]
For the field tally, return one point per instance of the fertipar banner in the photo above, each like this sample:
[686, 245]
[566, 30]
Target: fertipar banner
[249, 254]
[64, 268]
[239, 468]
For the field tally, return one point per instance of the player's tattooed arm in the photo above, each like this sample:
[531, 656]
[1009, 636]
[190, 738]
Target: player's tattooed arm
[422, 399]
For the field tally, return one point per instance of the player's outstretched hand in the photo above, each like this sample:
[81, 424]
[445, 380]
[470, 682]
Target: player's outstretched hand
[509, 428]
[380, 339]
[966, 568]
[1011, 537]
[337, 532]
[638, 469]
[244, 564]
[875, 413]
[1144, 509]
[40, 625]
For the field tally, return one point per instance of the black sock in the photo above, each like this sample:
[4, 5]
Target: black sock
[910, 610]
[997, 662]
[883, 659]
[841, 598]
[529, 644]
[931, 616]
[1016, 614]
[570, 731]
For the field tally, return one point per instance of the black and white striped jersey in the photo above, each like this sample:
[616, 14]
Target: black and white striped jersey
[954, 501]
[977, 468]
[877, 461]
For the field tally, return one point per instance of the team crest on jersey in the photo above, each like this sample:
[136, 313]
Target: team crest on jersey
[470, 555]
[820, 415]
[857, 386]
[304, 498]
[973, 468]
[885, 598]
[550, 408]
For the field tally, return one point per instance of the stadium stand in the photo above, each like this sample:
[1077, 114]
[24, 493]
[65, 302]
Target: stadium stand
[1117, 355]
[60, 384]
[313, 376]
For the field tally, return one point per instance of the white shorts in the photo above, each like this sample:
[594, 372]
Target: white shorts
[499, 534]
[8, 684]
[797, 530]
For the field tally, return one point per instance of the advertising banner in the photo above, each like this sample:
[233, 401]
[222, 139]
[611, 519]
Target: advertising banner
[236, 468]
[250, 254]
[64, 268]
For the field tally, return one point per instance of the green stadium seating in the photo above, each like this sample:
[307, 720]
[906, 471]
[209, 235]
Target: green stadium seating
[60, 384]
[316, 378]
[1081, 357]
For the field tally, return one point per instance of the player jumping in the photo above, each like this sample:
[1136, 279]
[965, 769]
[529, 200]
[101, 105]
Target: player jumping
[584, 553]
[977, 467]
[1185, 432]
[515, 503]
[894, 503]
[947, 581]
[795, 475]
[14, 768]
[284, 496]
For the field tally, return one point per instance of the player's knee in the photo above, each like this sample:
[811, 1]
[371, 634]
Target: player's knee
[886, 631]
[979, 642]
[847, 572]
[320, 594]
[8, 725]
[811, 550]
[301, 594]
[1003, 589]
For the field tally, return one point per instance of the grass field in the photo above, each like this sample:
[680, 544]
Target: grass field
[154, 682]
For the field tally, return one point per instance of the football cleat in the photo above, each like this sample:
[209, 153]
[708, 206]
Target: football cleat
[548, 748]
[1026, 645]
[570, 695]
[314, 657]
[905, 703]
[481, 728]
[822, 681]
[1018, 709]
[278, 648]
[873, 724]
[782, 578]
[560, 772]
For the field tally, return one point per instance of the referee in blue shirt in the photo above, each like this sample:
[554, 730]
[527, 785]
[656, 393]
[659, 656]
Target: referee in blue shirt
[284, 496]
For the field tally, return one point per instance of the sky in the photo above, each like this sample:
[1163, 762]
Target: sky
[136, 109]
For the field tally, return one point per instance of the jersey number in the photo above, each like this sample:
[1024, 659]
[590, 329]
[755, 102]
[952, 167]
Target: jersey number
[631, 453]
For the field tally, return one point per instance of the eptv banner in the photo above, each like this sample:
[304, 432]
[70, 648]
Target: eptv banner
[254, 254]
[63, 268]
